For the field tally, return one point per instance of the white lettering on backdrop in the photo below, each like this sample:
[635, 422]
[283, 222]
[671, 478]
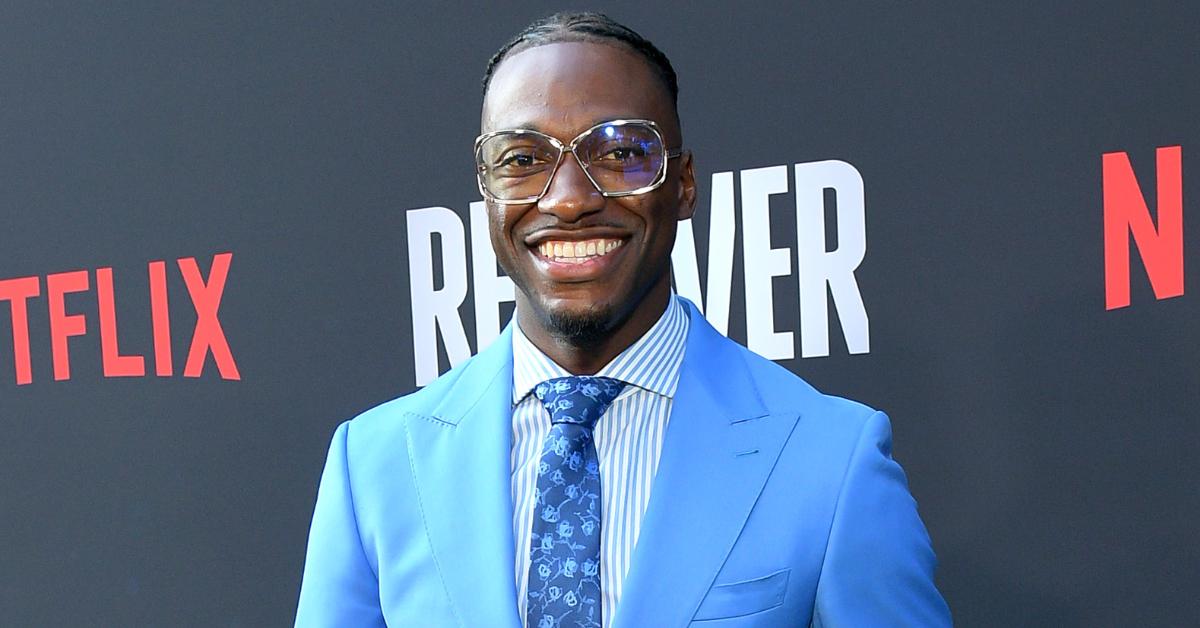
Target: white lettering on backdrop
[819, 272]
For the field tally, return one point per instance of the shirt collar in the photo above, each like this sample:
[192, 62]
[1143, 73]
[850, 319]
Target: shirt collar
[651, 363]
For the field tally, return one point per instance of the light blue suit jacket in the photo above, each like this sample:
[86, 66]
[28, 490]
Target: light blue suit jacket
[774, 505]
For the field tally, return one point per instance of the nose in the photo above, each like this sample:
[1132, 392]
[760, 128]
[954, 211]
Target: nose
[571, 194]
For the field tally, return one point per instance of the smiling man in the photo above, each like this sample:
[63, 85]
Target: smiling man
[611, 460]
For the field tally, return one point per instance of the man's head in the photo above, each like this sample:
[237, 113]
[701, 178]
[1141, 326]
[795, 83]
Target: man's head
[587, 26]
[562, 76]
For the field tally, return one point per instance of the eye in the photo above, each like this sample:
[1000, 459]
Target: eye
[516, 159]
[522, 161]
[624, 153]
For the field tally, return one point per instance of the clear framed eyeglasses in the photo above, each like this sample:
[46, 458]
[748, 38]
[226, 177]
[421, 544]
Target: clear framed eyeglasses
[619, 157]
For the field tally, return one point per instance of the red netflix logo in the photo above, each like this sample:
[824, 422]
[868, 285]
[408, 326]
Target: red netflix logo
[1125, 212]
[208, 336]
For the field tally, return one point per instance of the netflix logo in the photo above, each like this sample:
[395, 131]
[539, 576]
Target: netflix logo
[1126, 212]
[207, 335]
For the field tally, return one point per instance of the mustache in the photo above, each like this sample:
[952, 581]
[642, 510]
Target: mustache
[550, 224]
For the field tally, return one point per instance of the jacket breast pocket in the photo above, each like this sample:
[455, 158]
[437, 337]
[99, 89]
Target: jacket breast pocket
[737, 599]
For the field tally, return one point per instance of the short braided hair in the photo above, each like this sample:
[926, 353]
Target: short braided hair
[587, 26]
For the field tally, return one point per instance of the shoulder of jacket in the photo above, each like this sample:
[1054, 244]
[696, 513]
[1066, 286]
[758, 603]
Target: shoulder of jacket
[784, 391]
[387, 417]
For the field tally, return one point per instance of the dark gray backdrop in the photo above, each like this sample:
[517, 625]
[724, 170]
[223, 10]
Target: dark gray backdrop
[1049, 442]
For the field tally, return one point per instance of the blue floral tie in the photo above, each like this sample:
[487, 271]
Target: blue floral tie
[564, 566]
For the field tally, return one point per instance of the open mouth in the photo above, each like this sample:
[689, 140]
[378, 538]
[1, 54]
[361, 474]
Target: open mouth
[577, 251]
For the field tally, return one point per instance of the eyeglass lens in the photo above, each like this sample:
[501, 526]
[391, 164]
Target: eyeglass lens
[618, 157]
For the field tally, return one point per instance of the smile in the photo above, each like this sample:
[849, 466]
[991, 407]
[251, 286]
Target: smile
[577, 252]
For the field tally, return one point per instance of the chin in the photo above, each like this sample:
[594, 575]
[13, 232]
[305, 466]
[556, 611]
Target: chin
[581, 326]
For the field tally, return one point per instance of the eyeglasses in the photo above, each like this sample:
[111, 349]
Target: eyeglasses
[619, 157]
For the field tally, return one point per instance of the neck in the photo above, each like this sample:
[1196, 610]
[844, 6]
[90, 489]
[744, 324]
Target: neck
[587, 355]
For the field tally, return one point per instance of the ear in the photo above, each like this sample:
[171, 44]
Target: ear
[687, 186]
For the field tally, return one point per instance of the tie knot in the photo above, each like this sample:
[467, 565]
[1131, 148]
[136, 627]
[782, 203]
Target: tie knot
[578, 399]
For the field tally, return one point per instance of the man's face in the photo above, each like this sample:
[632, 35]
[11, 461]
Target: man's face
[562, 89]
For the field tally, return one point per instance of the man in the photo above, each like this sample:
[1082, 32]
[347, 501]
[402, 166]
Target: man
[611, 460]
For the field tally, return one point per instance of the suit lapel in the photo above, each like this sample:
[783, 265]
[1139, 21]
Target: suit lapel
[718, 451]
[461, 466]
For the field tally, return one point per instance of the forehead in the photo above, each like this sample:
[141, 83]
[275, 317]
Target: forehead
[563, 88]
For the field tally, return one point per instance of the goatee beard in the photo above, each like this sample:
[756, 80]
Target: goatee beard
[580, 328]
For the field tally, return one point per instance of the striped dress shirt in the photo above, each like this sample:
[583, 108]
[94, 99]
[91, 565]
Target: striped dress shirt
[628, 437]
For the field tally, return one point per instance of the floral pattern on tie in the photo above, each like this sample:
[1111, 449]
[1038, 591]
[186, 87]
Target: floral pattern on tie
[564, 570]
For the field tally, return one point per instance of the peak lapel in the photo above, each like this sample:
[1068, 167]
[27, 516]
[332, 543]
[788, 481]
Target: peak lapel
[461, 466]
[718, 451]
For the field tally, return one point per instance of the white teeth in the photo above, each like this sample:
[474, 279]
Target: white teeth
[572, 251]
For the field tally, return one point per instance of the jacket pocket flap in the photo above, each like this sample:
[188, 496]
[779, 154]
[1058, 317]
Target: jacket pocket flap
[744, 598]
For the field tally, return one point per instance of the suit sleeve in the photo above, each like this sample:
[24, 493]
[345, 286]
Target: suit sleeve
[878, 568]
[339, 588]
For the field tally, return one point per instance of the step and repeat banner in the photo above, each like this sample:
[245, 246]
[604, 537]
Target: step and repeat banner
[226, 228]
